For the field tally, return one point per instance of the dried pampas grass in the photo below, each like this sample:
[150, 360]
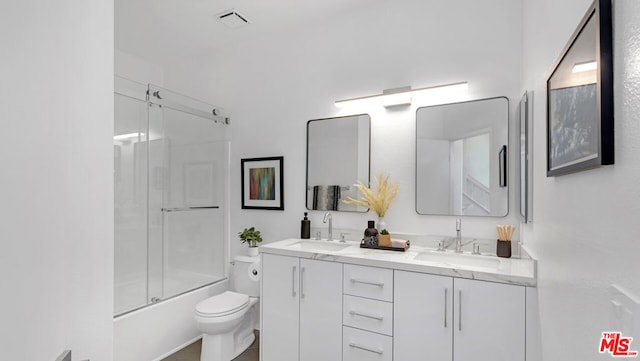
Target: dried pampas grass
[379, 200]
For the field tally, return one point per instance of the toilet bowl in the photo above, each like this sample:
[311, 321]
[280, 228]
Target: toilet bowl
[227, 320]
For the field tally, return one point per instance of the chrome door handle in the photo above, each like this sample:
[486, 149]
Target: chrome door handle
[460, 310]
[365, 348]
[367, 282]
[446, 290]
[367, 315]
[293, 282]
[301, 282]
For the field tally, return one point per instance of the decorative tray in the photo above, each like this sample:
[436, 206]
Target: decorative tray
[397, 249]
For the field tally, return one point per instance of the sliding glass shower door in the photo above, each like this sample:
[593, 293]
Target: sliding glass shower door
[171, 206]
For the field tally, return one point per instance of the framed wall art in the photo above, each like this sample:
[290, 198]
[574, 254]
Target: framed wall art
[580, 97]
[262, 183]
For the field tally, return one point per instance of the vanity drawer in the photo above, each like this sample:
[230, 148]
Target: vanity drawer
[368, 314]
[361, 345]
[370, 282]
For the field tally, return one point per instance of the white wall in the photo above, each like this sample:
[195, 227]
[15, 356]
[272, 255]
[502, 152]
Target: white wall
[56, 216]
[271, 87]
[585, 227]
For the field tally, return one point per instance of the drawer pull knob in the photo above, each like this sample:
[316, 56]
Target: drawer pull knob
[367, 282]
[365, 348]
[367, 315]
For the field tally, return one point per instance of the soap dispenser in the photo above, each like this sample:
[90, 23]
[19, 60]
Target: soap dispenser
[305, 228]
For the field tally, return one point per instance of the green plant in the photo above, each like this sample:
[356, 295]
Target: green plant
[250, 236]
[384, 231]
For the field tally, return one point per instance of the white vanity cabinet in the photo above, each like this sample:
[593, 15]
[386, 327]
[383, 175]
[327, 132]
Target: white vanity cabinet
[445, 318]
[423, 317]
[367, 314]
[301, 309]
[326, 301]
[489, 321]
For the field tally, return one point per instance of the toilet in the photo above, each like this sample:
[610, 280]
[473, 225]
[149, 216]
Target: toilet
[227, 320]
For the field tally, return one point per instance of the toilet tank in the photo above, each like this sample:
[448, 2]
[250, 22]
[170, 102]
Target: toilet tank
[246, 274]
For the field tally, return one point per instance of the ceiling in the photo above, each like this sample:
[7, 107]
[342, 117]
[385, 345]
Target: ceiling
[157, 29]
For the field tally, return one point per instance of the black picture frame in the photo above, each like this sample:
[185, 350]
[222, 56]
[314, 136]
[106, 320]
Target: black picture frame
[580, 120]
[262, 183]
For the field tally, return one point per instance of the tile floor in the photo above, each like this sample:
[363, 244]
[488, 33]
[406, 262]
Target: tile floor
[192, 352]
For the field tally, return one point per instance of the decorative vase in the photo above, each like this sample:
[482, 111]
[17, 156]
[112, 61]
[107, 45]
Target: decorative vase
[371, 229]
[253, 251]
[381, 224]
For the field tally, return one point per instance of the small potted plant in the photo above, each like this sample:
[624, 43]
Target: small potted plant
[384, 238]
[251, 237]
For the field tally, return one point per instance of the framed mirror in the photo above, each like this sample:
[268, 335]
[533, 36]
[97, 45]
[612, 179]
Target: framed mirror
[338, 152]
[461, 158]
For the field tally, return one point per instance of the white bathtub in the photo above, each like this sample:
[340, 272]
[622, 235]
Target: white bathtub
[157, 331]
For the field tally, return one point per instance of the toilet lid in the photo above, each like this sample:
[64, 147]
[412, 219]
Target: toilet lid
[222, 304]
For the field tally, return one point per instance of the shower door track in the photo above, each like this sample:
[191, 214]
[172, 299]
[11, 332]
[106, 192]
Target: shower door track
[169, 298]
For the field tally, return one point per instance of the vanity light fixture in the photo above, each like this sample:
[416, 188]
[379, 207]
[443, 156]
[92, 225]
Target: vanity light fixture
[402, 96]
[127, 136]
[586, 66]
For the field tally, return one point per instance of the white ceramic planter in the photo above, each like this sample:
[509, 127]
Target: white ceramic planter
[252, 251]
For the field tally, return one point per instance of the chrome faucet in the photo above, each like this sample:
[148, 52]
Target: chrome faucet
[327, 217]
[458, 235]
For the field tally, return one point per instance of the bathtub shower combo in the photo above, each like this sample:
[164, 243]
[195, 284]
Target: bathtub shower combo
[171, 160]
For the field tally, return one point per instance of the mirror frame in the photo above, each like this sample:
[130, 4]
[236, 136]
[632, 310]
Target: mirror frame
[368, 180]
[503, 161]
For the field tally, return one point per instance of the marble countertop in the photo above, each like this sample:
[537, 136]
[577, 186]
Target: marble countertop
[486, 266]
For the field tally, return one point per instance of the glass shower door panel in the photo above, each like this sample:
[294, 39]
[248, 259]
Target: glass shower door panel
[158, 190]
[130, 203]
[195, 160]
[195, 251]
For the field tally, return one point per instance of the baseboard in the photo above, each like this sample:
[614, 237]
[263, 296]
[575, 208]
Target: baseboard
[178, 348]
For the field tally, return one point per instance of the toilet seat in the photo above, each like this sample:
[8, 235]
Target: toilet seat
[222, 305]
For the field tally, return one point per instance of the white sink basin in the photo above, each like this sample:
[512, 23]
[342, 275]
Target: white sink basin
[329, 246]
[455, 259]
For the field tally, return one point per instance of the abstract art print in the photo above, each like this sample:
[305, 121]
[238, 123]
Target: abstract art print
[262, 183]
[580, 97]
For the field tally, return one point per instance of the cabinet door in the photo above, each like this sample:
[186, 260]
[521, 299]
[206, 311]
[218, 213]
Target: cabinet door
[280, 308]
[320, 310]
[423, 317]
[489, 321]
